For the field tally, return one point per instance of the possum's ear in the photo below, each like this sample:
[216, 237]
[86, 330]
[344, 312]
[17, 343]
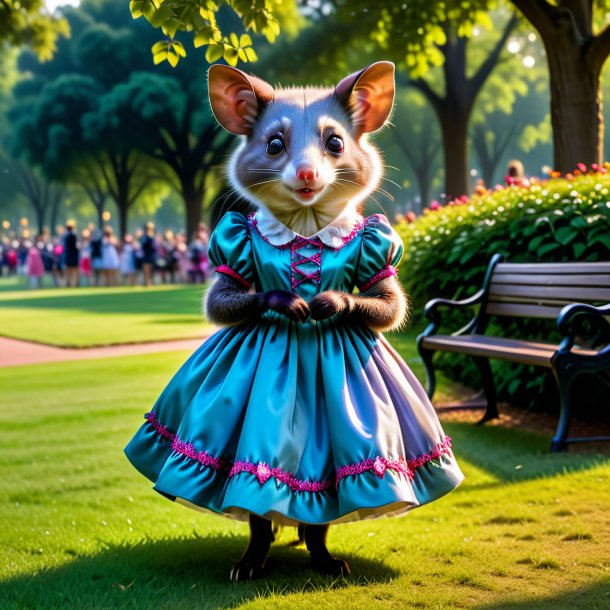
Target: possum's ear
[368, 95]
[236, 98]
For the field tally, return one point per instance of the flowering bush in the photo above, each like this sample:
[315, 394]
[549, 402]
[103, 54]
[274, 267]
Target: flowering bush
[447, 251]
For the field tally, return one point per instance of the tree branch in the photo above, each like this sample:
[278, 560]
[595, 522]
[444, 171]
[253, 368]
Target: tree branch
[599, 49]
[421, 85]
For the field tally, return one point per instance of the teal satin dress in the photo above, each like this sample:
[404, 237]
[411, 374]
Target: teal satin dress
[315, 422]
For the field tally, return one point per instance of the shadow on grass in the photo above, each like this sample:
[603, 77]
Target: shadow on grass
[514, 455]
[176, 573]
[596, 595]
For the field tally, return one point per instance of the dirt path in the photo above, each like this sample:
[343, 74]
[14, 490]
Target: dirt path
[14, 352]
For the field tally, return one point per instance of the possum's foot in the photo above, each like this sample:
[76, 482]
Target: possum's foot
[243, 571]
[321, 559]
[333, 566]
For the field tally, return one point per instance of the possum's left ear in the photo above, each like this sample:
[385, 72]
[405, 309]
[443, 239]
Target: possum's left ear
[369, 95]
[236, 98]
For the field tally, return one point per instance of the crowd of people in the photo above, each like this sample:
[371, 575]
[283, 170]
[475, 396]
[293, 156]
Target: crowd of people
[97, 258]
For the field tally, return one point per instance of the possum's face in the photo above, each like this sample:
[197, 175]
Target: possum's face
[303, 148]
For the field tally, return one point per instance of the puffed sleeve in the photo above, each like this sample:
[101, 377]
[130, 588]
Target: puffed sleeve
[380, 252]
[230, 249]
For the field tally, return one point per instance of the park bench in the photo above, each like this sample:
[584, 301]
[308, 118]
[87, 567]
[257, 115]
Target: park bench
[565, 292]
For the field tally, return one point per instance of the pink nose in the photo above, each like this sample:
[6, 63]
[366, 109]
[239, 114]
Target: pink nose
[306, 173]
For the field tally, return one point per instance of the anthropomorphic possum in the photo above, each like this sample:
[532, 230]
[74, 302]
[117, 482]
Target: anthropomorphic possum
[297, 410]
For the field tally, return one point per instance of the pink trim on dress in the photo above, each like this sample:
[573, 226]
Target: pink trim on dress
[232, 273]
[344, 240]
[388, 271]
[263, 472]
[298, 276]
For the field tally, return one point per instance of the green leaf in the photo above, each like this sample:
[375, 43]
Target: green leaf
[565, 235]
[159, 47]
[245, 41]
[162, 14]
[179, 48]
[547, 248]
[214, 53]
[234, 40]
[159, 57]
[579, 249]
[251, 54]
[203, 37]
[601, 238]
[231, 56]
[171, 26]
[172, 58]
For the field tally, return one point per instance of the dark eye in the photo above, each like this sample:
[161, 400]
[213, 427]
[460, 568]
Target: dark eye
[335, 145]
[275, 145]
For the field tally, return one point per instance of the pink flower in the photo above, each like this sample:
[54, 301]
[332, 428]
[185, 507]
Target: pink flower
[435, 205]
[410, 216]
[263, 472]
[582, 167]
[379, 467]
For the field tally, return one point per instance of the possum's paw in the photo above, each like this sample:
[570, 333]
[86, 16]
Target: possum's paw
[243, 571]
[327, 304]
[287, 303]
[331, 565]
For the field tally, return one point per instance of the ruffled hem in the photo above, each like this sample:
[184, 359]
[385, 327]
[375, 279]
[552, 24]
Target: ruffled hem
[367, 489]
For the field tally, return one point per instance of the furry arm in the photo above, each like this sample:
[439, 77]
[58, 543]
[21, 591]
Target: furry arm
[384, 306]
[227, 302]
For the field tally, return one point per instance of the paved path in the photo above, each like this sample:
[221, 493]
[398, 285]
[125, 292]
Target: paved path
[14, 352]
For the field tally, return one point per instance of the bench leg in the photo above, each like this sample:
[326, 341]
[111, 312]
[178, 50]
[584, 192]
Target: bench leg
[489, 387]
[426, 356]
[564, 381]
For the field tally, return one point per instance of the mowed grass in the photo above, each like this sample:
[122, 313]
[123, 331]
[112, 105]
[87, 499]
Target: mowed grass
[85, 317]
[82, 529]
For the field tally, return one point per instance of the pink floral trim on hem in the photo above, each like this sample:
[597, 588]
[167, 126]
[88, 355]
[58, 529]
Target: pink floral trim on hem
[344, 240]
[232, 273]
[263, 472]
[388, 271]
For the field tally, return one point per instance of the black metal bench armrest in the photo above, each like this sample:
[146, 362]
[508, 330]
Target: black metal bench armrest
[431, 311]
[568, 315]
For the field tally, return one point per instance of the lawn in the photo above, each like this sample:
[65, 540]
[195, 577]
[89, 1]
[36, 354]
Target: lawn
[82, 529]
[85, 317]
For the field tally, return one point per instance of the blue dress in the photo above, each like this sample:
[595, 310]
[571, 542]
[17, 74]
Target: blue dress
[315, 422]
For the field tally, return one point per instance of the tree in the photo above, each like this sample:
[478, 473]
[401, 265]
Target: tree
[168, 121]
[576, 55]
[29, 23]
[44, 196]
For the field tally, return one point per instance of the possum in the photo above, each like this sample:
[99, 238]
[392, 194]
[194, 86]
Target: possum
[303, 161]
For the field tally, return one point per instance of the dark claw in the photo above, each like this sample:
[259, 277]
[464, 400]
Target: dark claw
[243, 572]
[332, 566]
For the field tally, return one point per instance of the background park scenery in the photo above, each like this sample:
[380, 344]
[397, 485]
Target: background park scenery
[105, 127]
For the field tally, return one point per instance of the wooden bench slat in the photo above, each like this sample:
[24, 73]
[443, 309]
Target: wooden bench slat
[522, 310]
[563, 293]
[552, 268]
[501, 350]
[525, 279]
[515, 350]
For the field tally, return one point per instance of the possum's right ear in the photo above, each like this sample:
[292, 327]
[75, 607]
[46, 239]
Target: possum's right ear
[236, 98]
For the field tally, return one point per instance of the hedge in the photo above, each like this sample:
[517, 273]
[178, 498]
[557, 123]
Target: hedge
[447, 251]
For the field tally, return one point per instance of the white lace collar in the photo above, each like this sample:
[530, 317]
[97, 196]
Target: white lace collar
[335, 235]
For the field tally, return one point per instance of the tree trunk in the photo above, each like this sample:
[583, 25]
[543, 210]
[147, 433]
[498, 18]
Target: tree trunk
[193, 201]
[123, 207]
[100, 215]
[576, 106]
[454, 128]
[40, 210]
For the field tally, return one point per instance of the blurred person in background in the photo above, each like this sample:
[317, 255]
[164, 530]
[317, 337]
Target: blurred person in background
[128, 261]
[34, 263]
[182, 258]
[56, 249]
[149, 253]
[71, 251]
[110, 258]
[96, 257]
[198, 255]
[85, 257]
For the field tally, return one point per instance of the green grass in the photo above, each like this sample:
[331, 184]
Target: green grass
[85, 317]
[82, 529]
